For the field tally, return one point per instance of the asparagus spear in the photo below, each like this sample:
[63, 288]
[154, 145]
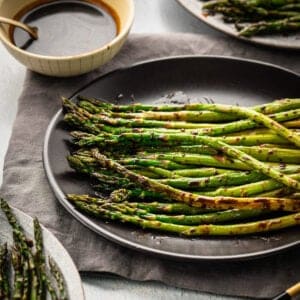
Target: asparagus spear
[264, 27]
[185, 230]
[197, 172]
[153, 139]
[248, 190]
[151, 207]
[261, 153]
[193, 199]
[269, 108]
[290, 7]
[248, 160]
[221, 146]
[218, 161]
[216, 130]
[257, 117]
[18, 286]
[185, 165]
[29, 288]
[195, 116]
[87, 165]
[87, 118]
[196, 219]
[231, 179]
[59, 279]
[44, 282]
[4, 281]
[215, 180]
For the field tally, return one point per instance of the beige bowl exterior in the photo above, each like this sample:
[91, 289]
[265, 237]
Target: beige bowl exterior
[66, 66]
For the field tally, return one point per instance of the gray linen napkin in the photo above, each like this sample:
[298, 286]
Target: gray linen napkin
[25, 185]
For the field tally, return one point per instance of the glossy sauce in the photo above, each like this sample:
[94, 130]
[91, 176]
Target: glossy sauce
[66, 27]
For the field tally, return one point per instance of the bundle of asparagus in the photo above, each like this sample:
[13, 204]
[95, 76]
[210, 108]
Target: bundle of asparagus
[193, 169]
[30, 273]
[254, 17]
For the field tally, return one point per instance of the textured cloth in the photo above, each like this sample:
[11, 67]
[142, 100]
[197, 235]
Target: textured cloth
[25, 185]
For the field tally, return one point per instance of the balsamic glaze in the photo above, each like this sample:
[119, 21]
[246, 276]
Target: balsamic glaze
[66, 27]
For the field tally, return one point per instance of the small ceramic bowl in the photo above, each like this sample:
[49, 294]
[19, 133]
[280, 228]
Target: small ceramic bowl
[64, 66]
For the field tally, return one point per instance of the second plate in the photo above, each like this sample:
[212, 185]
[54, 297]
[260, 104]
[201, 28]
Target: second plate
[291, 41]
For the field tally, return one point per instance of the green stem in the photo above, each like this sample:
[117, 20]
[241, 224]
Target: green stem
[193, 199]
[185, 230]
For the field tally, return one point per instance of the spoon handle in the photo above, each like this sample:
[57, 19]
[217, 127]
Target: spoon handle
[32, 31]
[289, 293]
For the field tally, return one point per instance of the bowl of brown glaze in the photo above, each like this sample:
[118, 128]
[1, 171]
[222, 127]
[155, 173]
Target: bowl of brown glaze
[75, 36]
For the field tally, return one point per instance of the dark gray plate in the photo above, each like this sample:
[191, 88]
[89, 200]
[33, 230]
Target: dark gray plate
[52, 247]
[290, 41]
[246, 83]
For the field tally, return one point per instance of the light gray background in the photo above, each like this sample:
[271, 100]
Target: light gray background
[151, 16]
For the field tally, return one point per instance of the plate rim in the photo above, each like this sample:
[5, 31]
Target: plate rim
[86, 221]
[53, 239]
[232, 34]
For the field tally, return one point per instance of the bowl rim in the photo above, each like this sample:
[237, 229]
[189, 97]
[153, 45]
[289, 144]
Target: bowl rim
[119, 37]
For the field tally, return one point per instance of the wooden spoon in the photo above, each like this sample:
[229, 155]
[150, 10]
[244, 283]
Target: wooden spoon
[289, 293]
[32, 31]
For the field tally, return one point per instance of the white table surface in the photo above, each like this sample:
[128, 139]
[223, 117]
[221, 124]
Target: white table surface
[151, 16]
